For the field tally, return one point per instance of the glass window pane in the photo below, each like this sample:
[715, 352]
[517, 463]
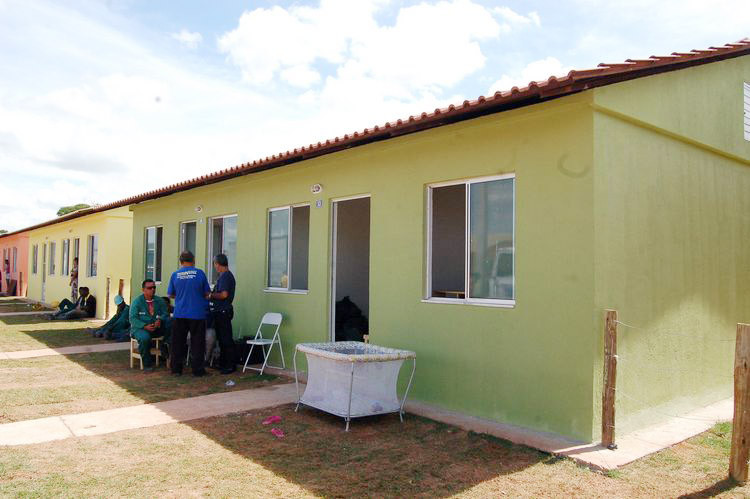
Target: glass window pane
[491, 233]
[52, 258]
[216, 239]
[150, 252]
[157, 256]
[449, 241]
[300, 246]
[187, 237]
[94, 255]
[229, 240]
[278, 249]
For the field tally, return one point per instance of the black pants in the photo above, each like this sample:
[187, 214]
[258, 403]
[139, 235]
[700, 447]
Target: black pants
[223, 326]
[180, 330]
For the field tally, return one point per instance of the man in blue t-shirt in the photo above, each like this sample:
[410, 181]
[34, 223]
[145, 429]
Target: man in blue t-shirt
[222, 313]
[189, 289]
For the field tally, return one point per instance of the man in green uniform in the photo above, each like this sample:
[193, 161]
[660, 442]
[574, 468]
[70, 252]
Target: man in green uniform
[148, 316]
[118, 327]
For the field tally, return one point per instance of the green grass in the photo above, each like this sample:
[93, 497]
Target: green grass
[31, 332]
[57, 385]
[235, 455]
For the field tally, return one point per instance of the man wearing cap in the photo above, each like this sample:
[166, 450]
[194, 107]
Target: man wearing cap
[118, 327]
[189, 289]
[148, 314]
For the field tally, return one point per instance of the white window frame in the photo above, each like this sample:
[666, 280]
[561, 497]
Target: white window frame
[746, 110]
[210, 253]
[288, 289]
[65, 257]
[181, 235]
[489, 302]
[52, 251]
[34, 258]
[156, 253]
[90, 256]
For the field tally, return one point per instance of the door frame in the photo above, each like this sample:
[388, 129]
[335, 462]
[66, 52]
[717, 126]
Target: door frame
[332, 262]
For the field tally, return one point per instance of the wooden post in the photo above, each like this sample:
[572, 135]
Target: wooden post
[120, 287]
[738, 456]
[610, 380]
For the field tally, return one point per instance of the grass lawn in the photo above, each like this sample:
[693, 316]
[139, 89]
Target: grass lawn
[235, 455]
[57, 385]
[31, 332]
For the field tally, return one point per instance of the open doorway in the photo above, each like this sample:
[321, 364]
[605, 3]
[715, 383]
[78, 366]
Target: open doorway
[350, 310]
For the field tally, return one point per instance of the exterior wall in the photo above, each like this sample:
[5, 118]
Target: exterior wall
[114, 229]
[672, 216]
[21, 243]
[529, 365]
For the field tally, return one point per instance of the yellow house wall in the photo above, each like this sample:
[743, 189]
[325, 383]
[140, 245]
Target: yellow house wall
[114, 229]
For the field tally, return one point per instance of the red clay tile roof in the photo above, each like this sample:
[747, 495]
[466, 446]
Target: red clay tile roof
[535, 92]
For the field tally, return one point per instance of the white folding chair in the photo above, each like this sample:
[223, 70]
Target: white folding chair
[269, 319]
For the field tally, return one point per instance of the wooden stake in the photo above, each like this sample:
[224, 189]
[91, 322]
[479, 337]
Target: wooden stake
[610, 380]
[740, 452]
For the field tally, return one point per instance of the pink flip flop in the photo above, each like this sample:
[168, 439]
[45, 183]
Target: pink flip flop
[272, 419]
[277, 432]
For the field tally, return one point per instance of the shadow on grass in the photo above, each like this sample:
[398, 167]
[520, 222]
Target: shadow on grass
[380, 456]
[714, 490]
[15, 320]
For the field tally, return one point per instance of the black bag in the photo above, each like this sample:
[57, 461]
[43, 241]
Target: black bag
[242, 348]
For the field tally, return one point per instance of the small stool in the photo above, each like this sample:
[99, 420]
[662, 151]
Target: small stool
[155, 351]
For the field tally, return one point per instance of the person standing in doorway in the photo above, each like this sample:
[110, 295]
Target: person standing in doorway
[189, 289]
[222, 313]
[74, 280]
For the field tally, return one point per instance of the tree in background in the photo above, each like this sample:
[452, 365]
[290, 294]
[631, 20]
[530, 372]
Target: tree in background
[3, 231]
[70, 209]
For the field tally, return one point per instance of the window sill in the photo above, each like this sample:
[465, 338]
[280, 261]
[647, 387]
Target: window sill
[458, 301]
[286, 291]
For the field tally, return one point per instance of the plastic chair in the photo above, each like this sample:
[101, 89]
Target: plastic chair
[271, 319]
[155, 351]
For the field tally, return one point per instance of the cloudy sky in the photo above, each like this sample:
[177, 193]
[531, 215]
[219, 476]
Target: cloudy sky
[100, 100]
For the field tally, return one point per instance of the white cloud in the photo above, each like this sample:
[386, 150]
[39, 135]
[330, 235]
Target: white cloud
[429, 46]
[514, 18]
[190, 39]
[534, 71]
[300, 76]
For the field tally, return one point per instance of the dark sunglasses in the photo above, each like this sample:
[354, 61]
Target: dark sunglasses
[150, 287]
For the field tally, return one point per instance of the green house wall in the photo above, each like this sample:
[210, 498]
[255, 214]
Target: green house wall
[632, 196]
[532, 364]
[672, 215]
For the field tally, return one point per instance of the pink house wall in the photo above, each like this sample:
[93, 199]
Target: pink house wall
[18, 272]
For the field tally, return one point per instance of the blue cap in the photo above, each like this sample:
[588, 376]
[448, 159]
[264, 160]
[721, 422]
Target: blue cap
[118, 299]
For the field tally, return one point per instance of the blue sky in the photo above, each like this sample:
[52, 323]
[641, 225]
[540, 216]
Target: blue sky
[102, 100]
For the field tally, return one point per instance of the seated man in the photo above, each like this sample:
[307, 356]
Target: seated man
[85, 306]
[118, 327]
[148, 317]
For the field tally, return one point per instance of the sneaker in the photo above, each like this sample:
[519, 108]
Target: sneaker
[200, 374]
[228, 370]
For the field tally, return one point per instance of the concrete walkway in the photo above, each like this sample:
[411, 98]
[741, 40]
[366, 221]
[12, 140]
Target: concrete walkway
[630, 447]
[142, 416]
[44, 352]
